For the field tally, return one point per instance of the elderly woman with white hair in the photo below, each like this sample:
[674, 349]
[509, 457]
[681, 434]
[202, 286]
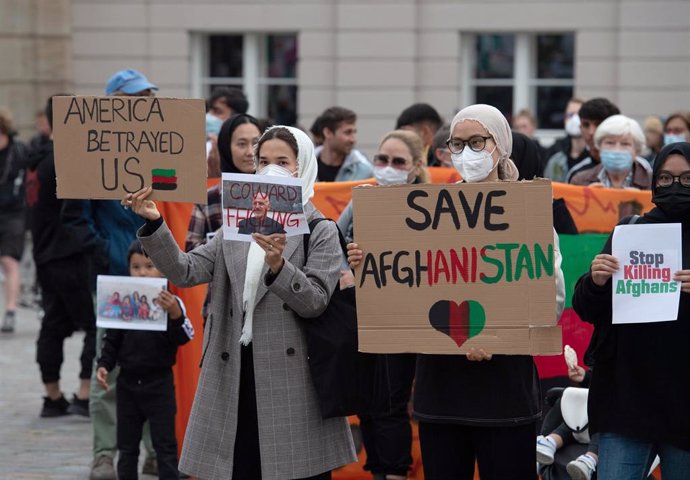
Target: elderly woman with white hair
[255, 414]
[479, 408]
[619, 140]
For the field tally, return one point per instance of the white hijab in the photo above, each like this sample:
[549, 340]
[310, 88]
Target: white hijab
[306, 171]
[496, 124]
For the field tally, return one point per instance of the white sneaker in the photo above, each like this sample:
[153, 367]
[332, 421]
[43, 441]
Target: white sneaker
[546, 449]
[582, 467]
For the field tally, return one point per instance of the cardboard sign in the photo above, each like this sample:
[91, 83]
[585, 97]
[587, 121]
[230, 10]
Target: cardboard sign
[261, 204]
[130, 303]
[451, 267]
[643, 287]
[106, 147]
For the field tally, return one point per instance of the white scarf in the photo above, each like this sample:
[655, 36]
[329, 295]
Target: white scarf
[256, 258]
[498, 127]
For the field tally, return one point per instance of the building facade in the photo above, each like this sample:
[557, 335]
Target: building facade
[294, 58]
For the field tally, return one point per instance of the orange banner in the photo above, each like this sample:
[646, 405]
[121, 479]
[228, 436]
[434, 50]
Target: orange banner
[593, 209]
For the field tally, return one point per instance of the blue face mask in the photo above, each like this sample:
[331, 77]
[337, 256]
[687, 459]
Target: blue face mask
[670, 138]
[616, 161]
[213, 124]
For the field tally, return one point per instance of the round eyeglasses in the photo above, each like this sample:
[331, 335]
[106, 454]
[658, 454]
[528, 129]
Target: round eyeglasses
[476, 144]
[665, 179]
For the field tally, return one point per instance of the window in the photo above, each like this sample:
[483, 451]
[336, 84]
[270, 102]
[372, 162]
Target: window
[515, 71]
[264, 66]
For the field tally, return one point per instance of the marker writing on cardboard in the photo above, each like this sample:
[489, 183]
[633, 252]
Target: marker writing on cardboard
[124, 171]
[490, 264]
[446, 208]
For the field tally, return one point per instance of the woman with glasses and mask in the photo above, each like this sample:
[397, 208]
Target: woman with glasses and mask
[619, 140]
[255, 414]
[639, 397]
[479, 407]
[388, 438]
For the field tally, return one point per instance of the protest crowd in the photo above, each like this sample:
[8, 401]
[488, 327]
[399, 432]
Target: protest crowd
[256, 413]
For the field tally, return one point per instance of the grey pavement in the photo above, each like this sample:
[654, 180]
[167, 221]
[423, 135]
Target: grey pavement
[34, 448]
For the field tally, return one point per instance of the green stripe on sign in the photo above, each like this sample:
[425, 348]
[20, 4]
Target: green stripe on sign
[578, 252]
[163, 172]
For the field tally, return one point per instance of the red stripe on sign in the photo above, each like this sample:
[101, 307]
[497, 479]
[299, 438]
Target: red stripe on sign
[459, 322]
[159, 179]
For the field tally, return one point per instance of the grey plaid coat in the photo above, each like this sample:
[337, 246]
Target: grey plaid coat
[295, 442]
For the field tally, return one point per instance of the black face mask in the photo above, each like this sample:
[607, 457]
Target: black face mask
[674, 201]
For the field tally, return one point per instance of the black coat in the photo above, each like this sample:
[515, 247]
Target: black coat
[142, 350]
[503, 391]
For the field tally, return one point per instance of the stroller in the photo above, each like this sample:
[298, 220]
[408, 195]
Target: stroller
[569, 406]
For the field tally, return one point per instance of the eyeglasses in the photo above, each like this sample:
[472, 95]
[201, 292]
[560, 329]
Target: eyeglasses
[665, 179]
[383, 160]
[476, 144]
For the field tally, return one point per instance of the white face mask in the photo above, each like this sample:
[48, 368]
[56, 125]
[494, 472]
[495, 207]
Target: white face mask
[572, 126]
[276, 171]
[391, 176]
[473, 166]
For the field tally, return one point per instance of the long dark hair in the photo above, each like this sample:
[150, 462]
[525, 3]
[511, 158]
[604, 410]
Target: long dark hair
[227, 165]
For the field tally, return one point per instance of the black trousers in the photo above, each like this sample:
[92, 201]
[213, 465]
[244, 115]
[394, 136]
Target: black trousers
[388, 438]
[68, 307]
[247, 456]
[142, 397]
[449, 451]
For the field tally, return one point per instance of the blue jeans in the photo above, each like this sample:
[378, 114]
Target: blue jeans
[626, 458]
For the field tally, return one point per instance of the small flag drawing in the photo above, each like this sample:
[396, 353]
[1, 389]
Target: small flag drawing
[163, 179]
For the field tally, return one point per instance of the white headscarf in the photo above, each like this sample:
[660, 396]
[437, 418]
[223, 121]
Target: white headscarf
[496, 124]
[306, 171]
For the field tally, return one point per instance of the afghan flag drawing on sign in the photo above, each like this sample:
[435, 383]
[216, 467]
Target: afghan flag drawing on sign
[163, 179]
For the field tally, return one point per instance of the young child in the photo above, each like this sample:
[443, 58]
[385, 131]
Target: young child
[145, 389]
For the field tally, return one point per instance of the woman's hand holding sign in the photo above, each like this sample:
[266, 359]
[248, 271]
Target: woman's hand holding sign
[603, 268]
[273, 245]
[683, 276]
[141, 205]
[354, 255]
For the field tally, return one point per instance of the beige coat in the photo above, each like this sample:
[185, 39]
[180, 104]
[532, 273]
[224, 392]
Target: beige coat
[295, 442]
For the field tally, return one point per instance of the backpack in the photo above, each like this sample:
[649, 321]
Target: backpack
[347, 382]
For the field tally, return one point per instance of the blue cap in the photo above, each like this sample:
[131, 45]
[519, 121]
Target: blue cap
[128, 81]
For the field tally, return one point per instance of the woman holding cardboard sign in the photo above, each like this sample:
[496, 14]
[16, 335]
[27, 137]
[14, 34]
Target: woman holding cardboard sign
[639, 398]
[480, 407]
[264, 422]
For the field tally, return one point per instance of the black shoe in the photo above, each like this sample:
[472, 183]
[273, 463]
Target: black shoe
[78, 406]
[54, 408]
[8, 322]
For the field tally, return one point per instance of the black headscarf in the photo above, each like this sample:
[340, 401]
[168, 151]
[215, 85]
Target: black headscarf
[658, 215]
[526, 157]
[227, 165]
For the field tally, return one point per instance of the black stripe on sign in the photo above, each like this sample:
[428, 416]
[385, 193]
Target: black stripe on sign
[164, 186]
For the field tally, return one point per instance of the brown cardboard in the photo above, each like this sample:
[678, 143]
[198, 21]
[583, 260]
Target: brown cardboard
[106, 147]
[520, 315]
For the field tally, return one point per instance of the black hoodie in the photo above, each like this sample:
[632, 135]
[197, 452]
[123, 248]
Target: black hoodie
[52, 240]
[641, 381]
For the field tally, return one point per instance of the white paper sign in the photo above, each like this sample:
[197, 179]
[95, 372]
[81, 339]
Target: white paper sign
[261, 204]
[130, 303]
[643, 287]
